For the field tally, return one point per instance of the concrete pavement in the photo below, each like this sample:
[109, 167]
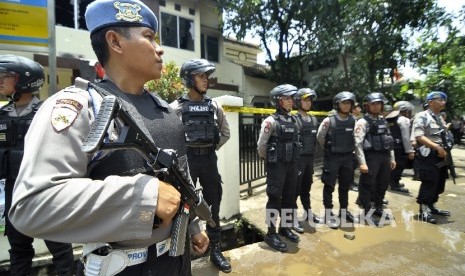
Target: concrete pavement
[405, 247]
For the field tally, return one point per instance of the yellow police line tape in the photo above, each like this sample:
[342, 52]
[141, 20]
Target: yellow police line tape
[256, 110]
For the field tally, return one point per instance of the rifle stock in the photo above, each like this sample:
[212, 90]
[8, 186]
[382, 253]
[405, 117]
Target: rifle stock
[161, 161]
[449, 162]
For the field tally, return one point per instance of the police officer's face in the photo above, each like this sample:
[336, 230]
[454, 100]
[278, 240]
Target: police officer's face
[306, 104]
[437, 105]
[201, 82]
[286, 102]
[142, 54]
[7, 84]
[375, 108]
[345, 106]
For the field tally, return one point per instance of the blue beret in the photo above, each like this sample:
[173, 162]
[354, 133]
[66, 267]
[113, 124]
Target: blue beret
[436, 95]
[127, 13]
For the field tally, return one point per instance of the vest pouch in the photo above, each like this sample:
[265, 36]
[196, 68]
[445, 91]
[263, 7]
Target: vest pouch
[272, 153]
[7, 133]
[288, 152]
[368, 142]
[388, 142]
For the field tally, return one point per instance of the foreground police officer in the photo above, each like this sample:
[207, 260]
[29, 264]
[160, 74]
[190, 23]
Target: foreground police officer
[206, 131]
[109, 199]
[400, 126]
[373, 147]
[279, 145]
[20, 79]
[335, 135]
[308, 126]
[427, 129]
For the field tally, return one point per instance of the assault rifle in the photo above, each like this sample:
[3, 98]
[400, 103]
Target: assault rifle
[448, 161]
[161, 161]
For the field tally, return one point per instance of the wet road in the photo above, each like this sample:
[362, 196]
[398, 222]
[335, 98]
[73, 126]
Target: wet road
[404, 247]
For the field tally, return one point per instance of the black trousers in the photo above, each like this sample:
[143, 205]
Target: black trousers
[22, 252]
[204, 168]
[337, 167]
[281, 182]
[433, 179]
[304, 181]
[401, 163]
[373, 185]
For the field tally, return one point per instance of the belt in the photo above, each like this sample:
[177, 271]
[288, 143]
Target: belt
[117, 260]
[200, 150]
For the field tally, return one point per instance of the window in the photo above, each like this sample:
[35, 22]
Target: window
[177, 32]
[209, 47]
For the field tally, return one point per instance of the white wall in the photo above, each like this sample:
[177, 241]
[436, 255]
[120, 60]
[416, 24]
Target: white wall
[228, 161]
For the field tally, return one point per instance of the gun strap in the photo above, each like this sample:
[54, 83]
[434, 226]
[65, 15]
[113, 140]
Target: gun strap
[107, 87]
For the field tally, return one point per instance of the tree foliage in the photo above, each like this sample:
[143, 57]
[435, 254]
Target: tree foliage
[369, 38]
[169, 87]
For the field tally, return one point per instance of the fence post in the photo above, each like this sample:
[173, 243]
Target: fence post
[228, 161]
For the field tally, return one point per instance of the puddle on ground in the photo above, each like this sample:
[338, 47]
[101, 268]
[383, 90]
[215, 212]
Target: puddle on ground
[408, 247]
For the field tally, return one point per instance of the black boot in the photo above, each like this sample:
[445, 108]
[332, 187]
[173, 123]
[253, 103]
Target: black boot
[315, 218]
[297, 226]
[439, 212]
[331, 220]
[396, 187]
[288, 234]
[425, 214]
[346, 216]
[274, 241]
[379, 212]
[217, 258]
[369, 219]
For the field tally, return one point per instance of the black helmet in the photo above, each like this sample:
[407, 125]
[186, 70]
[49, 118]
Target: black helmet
[343, 96]
[375, 97]
[282, 90]
[195, 66]
[30, 73]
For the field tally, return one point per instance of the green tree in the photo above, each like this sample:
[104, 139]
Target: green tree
[370, 37]
[169, 87]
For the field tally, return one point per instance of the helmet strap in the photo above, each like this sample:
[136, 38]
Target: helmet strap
[14, 97]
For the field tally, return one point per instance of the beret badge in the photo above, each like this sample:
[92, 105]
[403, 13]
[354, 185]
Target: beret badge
[128, 12]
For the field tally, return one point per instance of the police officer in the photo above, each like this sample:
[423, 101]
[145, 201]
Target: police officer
[279, 145]
[207, 130]
[373, 147]
[308, 126]
[110, 201]
[20, 79]
[428, 127]
[400, 126]
[335, 135]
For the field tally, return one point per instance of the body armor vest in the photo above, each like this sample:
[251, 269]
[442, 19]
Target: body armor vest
[284, 146]
[340, 139]
[378, 138]
[164, 127]
[396, 133]
[12, 133]
[307, 131]
[199, 121]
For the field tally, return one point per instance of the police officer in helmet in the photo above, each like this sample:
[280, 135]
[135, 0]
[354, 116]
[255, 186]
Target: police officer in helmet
[278, 144]
[400, 126]
[374, 150]
[428, 126]
[20, 79]
[308, 126]
[335, 135]
[207, 130]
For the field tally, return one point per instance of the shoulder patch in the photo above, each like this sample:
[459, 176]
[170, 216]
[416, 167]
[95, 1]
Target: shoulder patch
[63, 117]
[71, 102]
